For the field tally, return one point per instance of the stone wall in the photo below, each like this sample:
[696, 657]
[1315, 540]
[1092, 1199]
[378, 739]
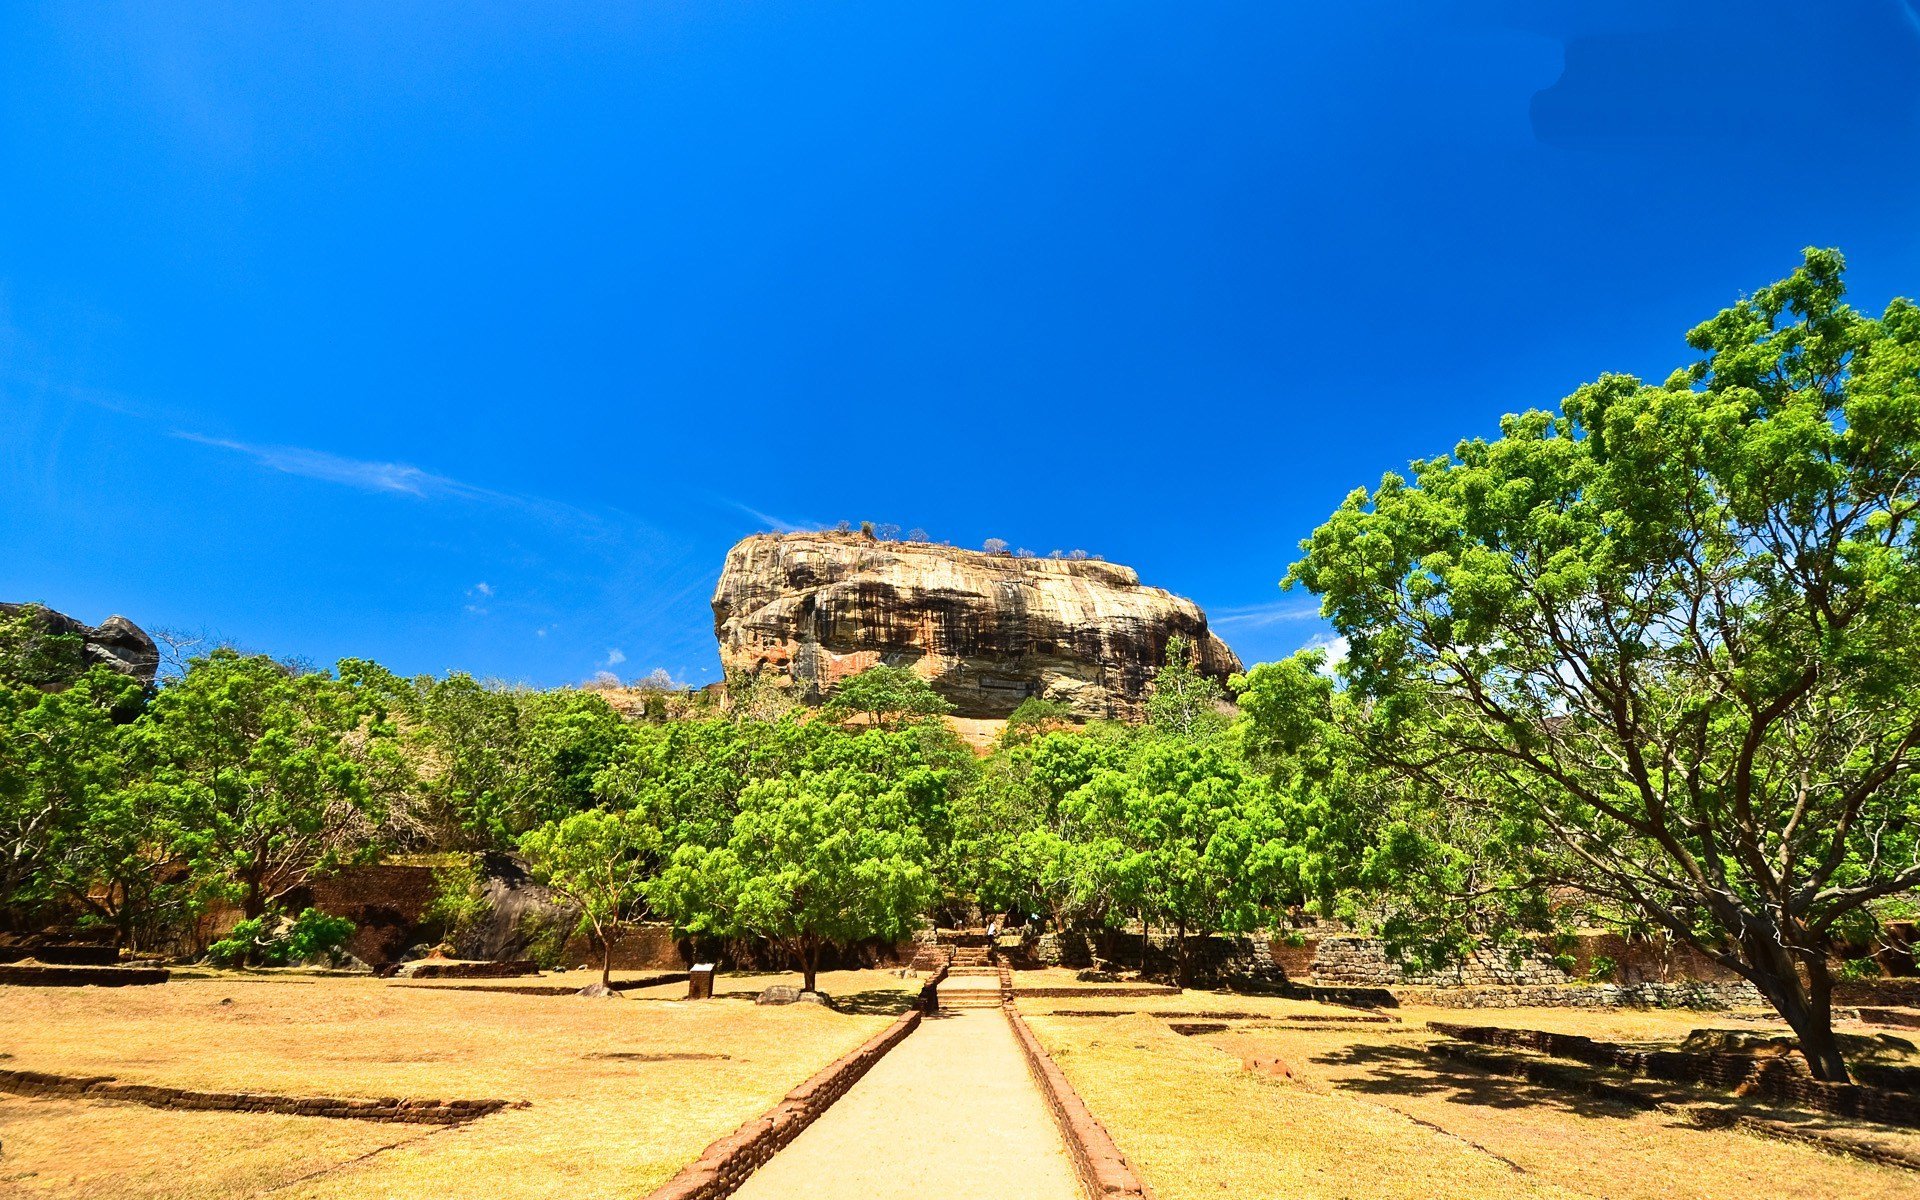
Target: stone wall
[1213, 958]
[1353, 961]
[723, 1166]
[1363, 962]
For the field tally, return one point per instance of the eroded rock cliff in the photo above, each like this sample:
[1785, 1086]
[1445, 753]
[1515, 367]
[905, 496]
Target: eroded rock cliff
[986, 630]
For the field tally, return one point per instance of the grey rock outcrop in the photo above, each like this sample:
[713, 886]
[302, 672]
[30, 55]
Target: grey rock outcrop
[116, 642]
[987, 631]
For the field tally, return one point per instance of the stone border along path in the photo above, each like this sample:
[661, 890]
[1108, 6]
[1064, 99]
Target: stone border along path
[949, 1116]
[953, 1113]
[41, 1085]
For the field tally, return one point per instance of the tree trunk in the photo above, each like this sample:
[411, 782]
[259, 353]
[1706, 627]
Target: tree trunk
[1145, 944]
[1806, 1006]
[810, 965]
[606, 961]
[1181, 972]
[252, 903]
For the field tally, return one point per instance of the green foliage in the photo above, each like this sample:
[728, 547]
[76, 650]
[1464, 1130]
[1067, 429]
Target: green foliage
[459, 902]
[1602, 969]
[1034, 717]
[1182, 701]
[1855, 970]
[65, 758]
[814, 859]
[495, 762]
[32, 655]
[886, 698]
[315, 936]
[1190, 837]
[1658, 646]
[269, 771]
[599, 862]
[270, 940]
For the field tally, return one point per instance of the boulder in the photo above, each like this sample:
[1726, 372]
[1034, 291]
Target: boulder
[987, 631]
[116, 642]
[520, 914]
[780, 993]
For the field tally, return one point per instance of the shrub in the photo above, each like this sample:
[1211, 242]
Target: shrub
[1601, 969]
[458, 901]
[315, 935]
[271, 940]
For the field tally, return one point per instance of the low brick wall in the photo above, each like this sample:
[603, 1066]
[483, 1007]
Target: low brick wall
[106, 1087]
[1103, 1171]
[546, 989]
[19, 975]
[509, 969]
[1781, 1080]
[1113, 991]
[725, 1165]
[1710, 997]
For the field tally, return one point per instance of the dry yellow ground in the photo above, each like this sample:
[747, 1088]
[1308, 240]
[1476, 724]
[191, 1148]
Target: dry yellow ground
[613, 1111]
[1371, 1116]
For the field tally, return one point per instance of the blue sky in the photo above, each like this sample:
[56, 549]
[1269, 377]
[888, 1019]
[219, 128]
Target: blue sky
[469, 337]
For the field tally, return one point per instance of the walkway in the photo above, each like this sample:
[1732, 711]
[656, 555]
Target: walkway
[950, 1113]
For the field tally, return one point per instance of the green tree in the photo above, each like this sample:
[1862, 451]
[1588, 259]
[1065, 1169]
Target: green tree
[814, 860]
[1191, 837]
[887, 697]
[269, 770]
[1012, 848]
[1034, 717]
[1662, 642]
[62, 754]
[1182, 700]
[600, 862]
[494, 762]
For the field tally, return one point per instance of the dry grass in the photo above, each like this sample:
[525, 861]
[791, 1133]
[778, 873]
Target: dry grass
[60, 1148]
[623, 1092]
[1370, 1114]
[1275, 1007]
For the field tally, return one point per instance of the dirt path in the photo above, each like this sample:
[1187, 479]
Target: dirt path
[951, 1112]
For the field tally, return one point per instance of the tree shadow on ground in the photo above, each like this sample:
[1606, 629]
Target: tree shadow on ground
[1412, 1071]
[881, 1002]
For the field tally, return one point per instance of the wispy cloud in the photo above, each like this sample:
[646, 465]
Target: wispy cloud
[777, 524]
[615, 657]
[364, 474]
[484, 588]
[1259, 616]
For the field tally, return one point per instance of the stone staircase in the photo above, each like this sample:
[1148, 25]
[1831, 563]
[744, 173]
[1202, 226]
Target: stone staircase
[972, 981]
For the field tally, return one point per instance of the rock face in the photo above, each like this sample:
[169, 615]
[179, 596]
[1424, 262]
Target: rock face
[986, 630]
[116, 642]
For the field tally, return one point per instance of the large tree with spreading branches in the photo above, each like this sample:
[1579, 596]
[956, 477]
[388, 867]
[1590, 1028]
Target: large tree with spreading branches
[1665, 641]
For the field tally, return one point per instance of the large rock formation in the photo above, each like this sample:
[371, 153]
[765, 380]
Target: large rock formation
[73, 646]
[986, 630]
